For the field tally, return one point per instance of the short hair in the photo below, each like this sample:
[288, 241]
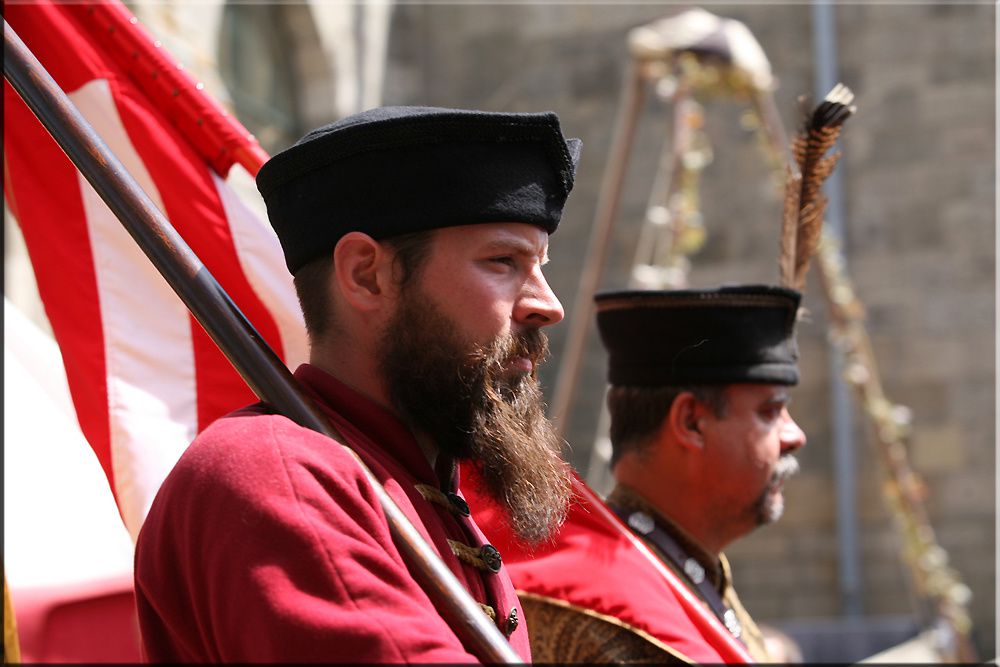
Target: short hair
[410, 252]
[637, 412]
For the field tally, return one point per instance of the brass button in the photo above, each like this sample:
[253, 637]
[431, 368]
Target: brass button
[491, 557]
[458, 502]
[511, 623]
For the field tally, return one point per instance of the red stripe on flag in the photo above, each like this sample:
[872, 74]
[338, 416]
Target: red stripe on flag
[216, 135]
[192, 204]
[57, 42]
[64, 270]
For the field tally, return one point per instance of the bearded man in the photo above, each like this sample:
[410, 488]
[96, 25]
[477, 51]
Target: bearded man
[416, 237]
[702, 442]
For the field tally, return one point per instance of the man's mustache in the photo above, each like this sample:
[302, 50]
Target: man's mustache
[787, 466]
[531, 344]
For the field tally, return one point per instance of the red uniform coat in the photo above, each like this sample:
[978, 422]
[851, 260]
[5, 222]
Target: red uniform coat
[596, 564]
[266, 543]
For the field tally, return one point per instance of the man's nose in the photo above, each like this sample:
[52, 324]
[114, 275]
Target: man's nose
[537, 305]
[792, 437]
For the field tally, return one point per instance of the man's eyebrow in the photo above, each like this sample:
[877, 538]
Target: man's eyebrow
[780, 397]
[519, 246]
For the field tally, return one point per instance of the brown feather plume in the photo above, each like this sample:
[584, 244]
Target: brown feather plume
[804, 202]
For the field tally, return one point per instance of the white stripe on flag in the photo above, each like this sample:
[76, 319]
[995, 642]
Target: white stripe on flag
[147, 333]
[61, 527]
[263, 265]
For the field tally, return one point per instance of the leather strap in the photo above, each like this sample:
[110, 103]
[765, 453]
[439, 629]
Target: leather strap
[669, 546]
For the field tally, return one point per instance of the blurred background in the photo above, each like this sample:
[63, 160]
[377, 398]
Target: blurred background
[912, 207]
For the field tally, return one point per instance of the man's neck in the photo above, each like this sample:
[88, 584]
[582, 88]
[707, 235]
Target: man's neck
[361, 375]
[353, 369]
[627, 499]
[670, 510]
[685, 507]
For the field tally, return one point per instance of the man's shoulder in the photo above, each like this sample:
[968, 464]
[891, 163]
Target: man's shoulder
[277, 477]
[259, 425]
[254, 446]
[248, 425]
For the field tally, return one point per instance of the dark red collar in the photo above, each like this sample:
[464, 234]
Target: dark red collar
[377, 424]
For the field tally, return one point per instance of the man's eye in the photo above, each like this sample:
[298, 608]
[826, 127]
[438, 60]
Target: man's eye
[506, 260]
[770, 414]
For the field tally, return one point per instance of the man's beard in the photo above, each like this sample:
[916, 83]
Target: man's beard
[769, 507]
[466, 399]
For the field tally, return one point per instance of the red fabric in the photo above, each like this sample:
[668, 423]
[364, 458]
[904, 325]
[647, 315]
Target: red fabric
[79, 43]
[593, 564]
[35, 168]
[90, 622]
[120, 40]
[265, 543]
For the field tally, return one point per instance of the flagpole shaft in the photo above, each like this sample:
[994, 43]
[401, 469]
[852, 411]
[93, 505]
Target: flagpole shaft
[260, 367]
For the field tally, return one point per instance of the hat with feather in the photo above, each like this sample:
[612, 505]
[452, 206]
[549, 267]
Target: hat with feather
[737, 334]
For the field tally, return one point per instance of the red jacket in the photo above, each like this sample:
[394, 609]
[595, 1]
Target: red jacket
[265, 543]
[595, 563]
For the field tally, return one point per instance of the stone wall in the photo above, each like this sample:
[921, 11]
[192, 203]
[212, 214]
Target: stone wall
[918, 177]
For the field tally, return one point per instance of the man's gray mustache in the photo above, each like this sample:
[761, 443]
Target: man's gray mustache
[787, 466]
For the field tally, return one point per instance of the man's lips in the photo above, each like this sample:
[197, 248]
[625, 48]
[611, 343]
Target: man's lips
[520, 365]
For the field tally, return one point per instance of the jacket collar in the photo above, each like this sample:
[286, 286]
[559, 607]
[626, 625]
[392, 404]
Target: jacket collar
[354, 411]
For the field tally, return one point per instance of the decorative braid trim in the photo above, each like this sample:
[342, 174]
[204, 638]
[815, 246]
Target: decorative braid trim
[432, 494]
[489, 611]
[468, 555]
[607, 619]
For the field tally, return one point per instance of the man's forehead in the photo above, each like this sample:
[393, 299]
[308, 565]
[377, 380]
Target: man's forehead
[504, 236]
[763, 392]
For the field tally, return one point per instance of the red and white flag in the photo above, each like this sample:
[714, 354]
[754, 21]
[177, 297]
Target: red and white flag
[143, 375]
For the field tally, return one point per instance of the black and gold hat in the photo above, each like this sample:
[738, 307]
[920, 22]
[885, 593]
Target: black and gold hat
[395, 170]
[743, 334]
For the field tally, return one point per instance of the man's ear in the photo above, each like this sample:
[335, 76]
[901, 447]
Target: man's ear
[362, 270]
[685, 420]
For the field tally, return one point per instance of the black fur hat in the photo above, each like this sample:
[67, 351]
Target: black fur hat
[395, 170]
[743, 334]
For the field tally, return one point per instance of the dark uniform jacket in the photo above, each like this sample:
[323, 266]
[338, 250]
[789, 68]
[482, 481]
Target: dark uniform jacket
[265, 543]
